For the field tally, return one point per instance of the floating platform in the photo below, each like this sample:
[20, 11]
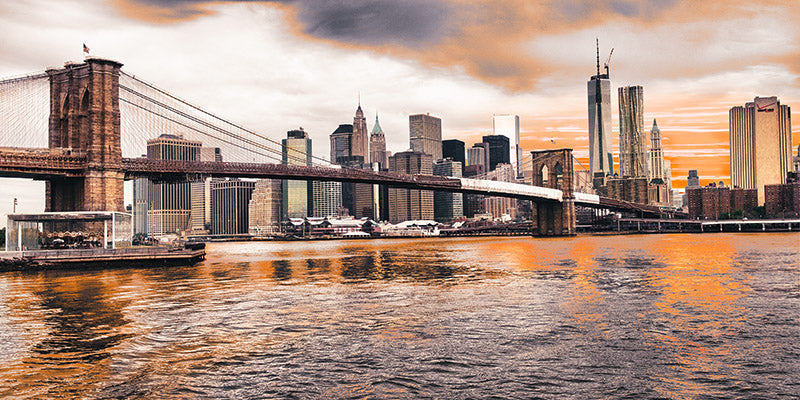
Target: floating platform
[101, 258]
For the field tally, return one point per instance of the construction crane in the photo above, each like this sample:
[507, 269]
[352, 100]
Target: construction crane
[608, 60]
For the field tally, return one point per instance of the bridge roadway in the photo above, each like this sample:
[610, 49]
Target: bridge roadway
[54, 163]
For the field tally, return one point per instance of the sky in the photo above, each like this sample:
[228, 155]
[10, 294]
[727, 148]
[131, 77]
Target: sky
[272, 66]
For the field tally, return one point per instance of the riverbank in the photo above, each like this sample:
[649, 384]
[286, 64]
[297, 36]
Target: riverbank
[100, 258]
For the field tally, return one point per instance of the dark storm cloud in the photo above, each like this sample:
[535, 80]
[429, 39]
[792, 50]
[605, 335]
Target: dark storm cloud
[370, 22]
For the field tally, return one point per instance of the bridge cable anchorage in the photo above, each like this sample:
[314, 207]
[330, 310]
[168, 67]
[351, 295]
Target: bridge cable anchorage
[186, 103]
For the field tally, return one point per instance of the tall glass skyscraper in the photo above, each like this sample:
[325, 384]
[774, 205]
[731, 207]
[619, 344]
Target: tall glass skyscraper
[601, 160]
[508, 126]
[632, 142]
[297, 195]
[426, 134]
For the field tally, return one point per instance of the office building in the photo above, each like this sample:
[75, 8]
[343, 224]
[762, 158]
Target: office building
[426, 134]
[297, 199]
[656, 169]
[377, 146]
[264, 209]
[693, 180]
[760, 144]
[447, 206]
[601, 161]
[327, 198]
[498, 147]
[410, 204]
[360, 141]
[508, 126]
[478, 154]
[341, 140]
[632, 142]
[454, 149]
[200, 216]
[230, 199]
[167, 205]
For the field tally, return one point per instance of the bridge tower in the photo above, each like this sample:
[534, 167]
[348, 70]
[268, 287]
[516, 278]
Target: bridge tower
[553, 169]
[84, 119]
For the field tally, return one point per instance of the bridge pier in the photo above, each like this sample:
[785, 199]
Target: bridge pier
[85, 119]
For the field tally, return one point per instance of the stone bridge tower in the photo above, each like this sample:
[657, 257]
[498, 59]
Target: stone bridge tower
[553, 169]
[84, 119]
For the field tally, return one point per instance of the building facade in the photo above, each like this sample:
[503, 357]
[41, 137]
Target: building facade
[327, 198]
[410, 204]
[499, 150]
[782, 200]
[360, 141]
[230, 199]
[508, 126]
[426, 134]
[297, 199]
[167, 207]
[341, 141]
[264, 208]
[447, 206]
[760, 144]
[632, 141]
[714, 202]
[454, 149]
[377, 146]
[601, 160]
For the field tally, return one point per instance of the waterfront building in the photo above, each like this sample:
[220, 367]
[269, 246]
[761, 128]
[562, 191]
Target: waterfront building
[632, 146]
[230, 199]
[327, 198]
[200, 216]
[601, 161]
[426, 134]
[360, 140]
[783, 200]
[454, 149]
[341, 140]
[264, 208]
[760, 144]
[377, 146]
[498, 147]
[165, 207]
[297, 199]
[508, 126]
[714, 202]
[626, 189]
[410, 204]
[447, 206]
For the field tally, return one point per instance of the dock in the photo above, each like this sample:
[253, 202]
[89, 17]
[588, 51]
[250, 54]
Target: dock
[106, 258]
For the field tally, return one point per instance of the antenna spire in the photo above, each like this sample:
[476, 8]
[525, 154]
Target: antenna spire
[598, 56]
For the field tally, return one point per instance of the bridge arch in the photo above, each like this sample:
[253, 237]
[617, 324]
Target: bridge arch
[553, 169]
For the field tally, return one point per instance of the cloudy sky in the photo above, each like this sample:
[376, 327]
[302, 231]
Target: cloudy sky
[272, 66]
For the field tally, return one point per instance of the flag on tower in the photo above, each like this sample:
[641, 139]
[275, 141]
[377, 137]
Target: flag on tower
[85, 49]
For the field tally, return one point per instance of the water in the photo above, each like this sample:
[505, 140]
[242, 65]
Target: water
[650, 316]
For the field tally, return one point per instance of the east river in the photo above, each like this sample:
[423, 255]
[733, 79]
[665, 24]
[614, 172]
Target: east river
[641, 316]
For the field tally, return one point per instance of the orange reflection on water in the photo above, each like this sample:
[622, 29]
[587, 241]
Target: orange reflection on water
[699, 290]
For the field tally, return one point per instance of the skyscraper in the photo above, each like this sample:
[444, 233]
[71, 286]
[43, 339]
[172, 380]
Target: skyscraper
[426, 134]
[297, 199]
[601, 161]
[454, 148]
[499, 152]
[656, 154]
[264, 209]
[360, 141]
[447, 206]
[410, 204]
[341, 142]
[327, 198]
[761, 140]
[377, 145]
[693, 180]
[230, 199]
[478, 154]
[508, 126]
[168, 204]
[632, 145]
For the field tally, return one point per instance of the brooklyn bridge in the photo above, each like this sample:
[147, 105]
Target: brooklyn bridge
[82, 129]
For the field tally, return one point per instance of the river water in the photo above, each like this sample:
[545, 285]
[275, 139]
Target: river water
[643, 316]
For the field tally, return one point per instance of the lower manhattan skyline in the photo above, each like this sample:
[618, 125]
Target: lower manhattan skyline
[273, 66]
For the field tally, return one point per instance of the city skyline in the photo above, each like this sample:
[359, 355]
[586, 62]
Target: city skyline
[157, 43]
